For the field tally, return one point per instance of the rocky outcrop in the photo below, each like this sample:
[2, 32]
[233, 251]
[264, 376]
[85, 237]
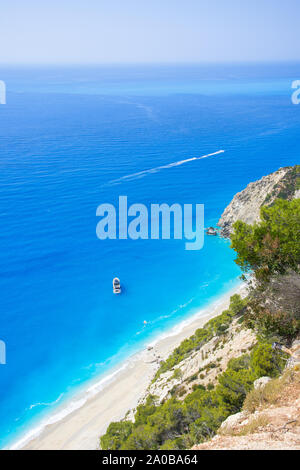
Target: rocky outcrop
[261, 382]
[274, 426]
[233, 421]
[203, 366]
[245, 206]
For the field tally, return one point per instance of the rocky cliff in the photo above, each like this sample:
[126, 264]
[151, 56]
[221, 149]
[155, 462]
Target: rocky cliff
[245, 206]
[270, 419]
[211, 359]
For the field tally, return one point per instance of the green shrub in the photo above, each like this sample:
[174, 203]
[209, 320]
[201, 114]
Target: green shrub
[143, 411]
[233, 387]
[198, 387]
[175, 444]
[177, 374]
[265, 361]
[272, 245]
[192, 378]
[115, 435]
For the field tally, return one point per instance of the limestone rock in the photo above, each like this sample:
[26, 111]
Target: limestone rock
[234, 420]
[261, 382]
[246, 204]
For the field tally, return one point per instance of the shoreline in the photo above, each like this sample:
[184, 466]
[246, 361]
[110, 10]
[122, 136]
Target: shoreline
[79, 423]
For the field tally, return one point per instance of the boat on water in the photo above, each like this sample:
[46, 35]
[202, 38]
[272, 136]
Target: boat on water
[116, 286]
[211, 231]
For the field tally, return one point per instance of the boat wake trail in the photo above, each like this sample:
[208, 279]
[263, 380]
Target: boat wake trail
[143, 173]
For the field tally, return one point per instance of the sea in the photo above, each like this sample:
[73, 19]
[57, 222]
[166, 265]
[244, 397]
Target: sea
[72, 138]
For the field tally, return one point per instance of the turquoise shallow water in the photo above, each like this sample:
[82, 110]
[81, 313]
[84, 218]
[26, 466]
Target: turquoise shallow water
[66, 134]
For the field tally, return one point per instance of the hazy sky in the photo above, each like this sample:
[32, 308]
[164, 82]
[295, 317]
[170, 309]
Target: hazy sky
[97, 31]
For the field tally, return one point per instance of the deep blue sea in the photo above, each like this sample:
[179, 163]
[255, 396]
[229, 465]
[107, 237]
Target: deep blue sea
[65, 135]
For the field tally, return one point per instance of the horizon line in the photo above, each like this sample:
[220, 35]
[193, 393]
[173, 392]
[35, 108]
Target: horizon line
[154, 63]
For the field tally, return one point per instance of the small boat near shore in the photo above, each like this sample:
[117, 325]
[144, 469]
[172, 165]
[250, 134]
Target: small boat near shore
[211, 231]
[116, 286]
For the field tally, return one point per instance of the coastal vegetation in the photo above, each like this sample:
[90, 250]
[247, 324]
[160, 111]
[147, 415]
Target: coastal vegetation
[287, 186]
[179, 424]
[270, 246]
[270, 251]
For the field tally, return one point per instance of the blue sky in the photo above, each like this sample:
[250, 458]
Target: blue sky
[146, 31]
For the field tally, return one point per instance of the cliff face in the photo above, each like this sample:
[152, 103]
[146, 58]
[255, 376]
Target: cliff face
[245, 206]
[212, 359]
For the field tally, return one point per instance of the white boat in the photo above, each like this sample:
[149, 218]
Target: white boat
[116, 286]
[211, 231]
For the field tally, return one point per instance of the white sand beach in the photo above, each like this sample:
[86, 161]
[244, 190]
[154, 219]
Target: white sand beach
[80, 429]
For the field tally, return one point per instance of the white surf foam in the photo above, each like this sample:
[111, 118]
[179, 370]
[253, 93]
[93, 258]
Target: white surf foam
[68, 408]
[47, 404]
[204, 312]
[95, 388]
